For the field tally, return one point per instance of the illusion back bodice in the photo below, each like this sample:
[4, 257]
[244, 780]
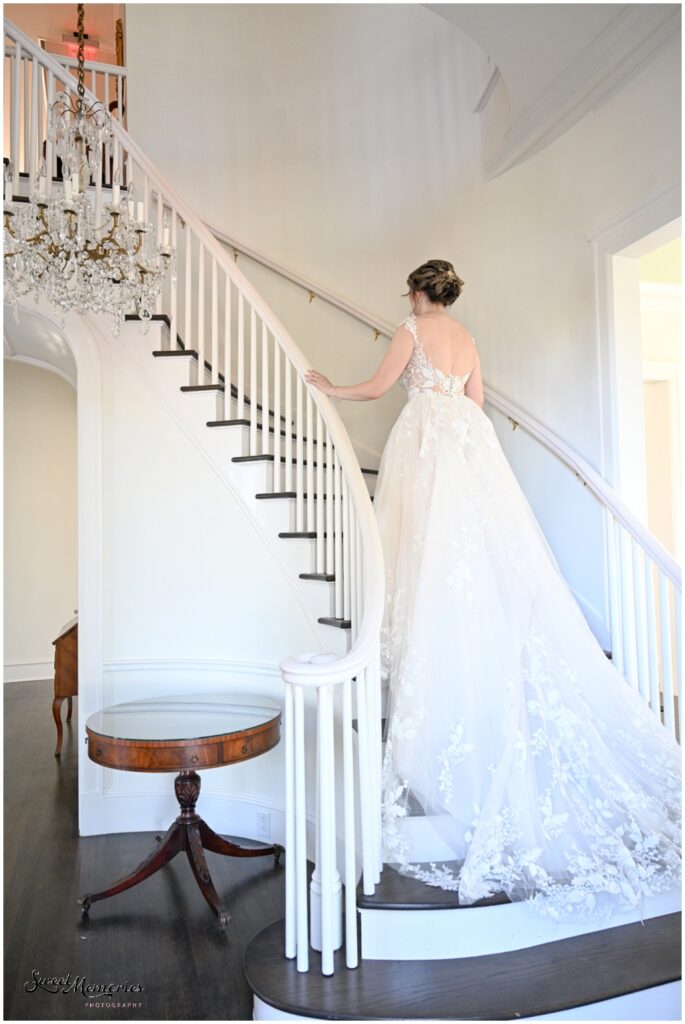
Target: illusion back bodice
[421, 376]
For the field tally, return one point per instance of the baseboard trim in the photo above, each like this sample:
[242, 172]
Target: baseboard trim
[28, 671]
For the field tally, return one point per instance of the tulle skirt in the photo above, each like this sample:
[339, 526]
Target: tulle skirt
[517, 758]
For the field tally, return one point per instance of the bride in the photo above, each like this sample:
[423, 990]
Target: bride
[518, 760]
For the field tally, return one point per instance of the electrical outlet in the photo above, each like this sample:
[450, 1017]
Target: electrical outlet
[264, 824]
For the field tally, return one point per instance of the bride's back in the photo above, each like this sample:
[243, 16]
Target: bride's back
[447, 343]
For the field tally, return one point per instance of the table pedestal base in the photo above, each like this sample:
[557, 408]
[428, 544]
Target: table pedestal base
[190, 833]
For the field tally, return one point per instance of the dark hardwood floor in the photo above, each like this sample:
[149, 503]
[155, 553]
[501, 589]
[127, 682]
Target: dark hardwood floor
[160, 935]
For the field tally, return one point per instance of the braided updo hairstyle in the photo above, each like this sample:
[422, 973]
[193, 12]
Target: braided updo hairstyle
[438, 279]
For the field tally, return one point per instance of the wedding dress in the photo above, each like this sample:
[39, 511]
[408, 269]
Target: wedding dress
[514, 747]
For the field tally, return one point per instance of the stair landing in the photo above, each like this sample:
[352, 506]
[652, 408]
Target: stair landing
[523, 984]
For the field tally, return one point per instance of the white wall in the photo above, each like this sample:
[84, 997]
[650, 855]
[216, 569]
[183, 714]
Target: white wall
[40, 531]
[341, 140]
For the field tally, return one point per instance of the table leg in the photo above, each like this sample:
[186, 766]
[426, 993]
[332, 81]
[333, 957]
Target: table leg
[57, 715]
[203, 878]
[172, 844]
[69, 708]
[217, 844]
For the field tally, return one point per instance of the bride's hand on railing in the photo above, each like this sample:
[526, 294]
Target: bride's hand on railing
[320, 382]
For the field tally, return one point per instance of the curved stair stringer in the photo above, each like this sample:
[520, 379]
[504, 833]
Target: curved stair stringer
[133, 344]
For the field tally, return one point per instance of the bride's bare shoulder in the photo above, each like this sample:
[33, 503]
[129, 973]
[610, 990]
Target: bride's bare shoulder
[461, 331]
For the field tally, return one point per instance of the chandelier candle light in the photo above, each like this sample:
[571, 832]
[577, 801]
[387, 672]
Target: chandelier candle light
[85, 255]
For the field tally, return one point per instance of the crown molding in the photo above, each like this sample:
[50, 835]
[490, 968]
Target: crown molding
[638, 33]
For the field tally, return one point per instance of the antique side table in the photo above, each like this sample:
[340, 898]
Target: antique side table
[180, 734]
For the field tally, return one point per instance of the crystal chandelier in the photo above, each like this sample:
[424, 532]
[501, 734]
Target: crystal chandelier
[84, 255]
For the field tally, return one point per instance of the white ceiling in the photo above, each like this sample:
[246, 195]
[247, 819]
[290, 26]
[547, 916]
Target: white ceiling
[531, 44]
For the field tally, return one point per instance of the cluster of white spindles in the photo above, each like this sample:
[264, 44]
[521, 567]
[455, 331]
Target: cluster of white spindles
[645, 622]
[340, 779]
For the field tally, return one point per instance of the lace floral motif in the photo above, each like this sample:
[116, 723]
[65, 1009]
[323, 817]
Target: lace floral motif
[420, 375]
[517, 758]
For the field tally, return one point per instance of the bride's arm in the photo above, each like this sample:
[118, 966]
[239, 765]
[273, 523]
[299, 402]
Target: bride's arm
[474, 385]
[388, 372]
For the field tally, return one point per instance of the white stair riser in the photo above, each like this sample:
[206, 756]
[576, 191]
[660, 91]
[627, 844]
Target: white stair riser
[479, 931]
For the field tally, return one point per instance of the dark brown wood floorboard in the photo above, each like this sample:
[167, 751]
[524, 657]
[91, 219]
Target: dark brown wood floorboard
[523, 983]
[160, 935]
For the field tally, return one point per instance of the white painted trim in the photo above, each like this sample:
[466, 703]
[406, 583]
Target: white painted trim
[248, 668]
[637, 34]
[27, 671]
[481, 931]
[41, 364]
[632, 231]
[661, 1002]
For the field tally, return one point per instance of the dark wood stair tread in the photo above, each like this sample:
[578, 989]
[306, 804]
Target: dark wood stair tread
[330, 620]
[243, 421]
[302, 534]
[523, 983]
[268, 457]
[203, 387]
[176, 352]
[399, 892]
[326, 577]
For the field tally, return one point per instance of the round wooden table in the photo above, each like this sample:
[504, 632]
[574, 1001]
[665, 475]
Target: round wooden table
[181, 734]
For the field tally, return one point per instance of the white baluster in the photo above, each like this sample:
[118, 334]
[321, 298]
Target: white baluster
[188, 313]
[265, 399]
[330, 564]
[666, 654]
[351, 947]
[160, 219]
[278, 465]
[320, 459]
[27, 94]
[107, 177]
[146, 206]
[614, 591]
[640, 612]
[290, 814]
[253, 381]
[376, 757]
[15, 130]
[345, 541]
[215, 324]
[679, 663]
[93, 82]
[201, 313]
[240, 404]
[628, 609]
[337, 540]
[300, 745]
[652, 640]
[33, 128]
[330, 880]
[228, 371]
[287, 370]
[173, 304]
[365, 795]
[310, 463]
[351, 529]
[50, 159]
[299, 488]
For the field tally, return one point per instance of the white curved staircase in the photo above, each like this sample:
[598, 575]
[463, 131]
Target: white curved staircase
[360, 942]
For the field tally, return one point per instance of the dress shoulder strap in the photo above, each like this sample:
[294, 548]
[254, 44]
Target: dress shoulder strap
[410, 323]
